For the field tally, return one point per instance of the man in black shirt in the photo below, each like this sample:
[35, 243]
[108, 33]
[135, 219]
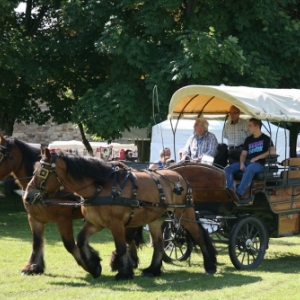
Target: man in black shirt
[257, 147]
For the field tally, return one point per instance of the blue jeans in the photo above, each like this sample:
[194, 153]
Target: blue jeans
[251, 169]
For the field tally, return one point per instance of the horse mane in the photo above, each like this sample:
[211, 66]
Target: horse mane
[81, 167]
[30, 155]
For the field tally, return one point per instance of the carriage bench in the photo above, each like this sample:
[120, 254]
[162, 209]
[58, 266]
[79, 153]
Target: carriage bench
[269, 172]
[291, 173]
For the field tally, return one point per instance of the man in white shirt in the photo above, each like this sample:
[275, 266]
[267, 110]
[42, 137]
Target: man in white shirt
[202, 142]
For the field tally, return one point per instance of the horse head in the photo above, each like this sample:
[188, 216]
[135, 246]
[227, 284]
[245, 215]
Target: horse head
[17, 158]
[45, 181]
[7, 162]
[62, 171]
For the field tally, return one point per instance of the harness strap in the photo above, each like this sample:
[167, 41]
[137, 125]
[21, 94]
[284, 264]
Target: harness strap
[189, 195]
[112, 201]
[177, 185]
[116, 169]
[115, 194]
[114, 191]
[130, 217]
[108, 200]
[159, 187]
[134, 186]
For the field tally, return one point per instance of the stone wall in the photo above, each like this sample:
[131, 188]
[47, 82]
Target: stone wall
[50, 132]
[47, 133]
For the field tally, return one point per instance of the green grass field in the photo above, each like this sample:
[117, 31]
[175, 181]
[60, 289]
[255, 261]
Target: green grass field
[277, 278]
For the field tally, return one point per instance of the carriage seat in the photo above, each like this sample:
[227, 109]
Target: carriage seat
[269, 171]
[291, 171]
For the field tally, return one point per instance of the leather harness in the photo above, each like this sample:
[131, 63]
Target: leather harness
[116, 198]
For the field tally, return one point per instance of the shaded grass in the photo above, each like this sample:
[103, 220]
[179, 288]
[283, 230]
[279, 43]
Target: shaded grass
[277, 278]
[11, 202]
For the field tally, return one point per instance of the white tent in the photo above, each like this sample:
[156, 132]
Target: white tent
[79, 148]
[162, 136]
[35, 145]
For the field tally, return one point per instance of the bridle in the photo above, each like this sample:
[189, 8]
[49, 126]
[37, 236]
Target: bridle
[5, 153]
[38, 193]
[44, 173]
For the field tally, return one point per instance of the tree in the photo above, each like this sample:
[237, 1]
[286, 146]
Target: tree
[174, 43]
[18, 94]
[97, 62]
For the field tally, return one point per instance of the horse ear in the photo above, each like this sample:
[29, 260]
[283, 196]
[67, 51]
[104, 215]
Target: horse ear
[47, 153]
[42, 150]
[2, 139]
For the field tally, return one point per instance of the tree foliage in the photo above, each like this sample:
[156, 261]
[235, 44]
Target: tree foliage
[96, 63]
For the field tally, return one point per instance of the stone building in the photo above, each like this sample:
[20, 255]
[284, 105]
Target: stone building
[50, 132]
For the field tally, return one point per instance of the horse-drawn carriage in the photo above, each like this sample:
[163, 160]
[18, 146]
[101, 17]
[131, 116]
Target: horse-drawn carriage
[275, 193]
[114, 196]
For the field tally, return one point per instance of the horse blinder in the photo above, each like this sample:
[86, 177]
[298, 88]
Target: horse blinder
[44, 173]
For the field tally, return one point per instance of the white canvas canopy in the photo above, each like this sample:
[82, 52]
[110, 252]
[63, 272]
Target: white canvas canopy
[162, 136]
[266, 104]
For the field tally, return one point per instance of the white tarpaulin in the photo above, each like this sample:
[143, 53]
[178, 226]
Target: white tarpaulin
[266, 104]
[162, 136]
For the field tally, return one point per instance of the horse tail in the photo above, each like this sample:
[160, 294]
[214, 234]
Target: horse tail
[138, 237]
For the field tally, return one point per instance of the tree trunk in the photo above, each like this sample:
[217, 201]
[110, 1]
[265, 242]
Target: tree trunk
[190, 7]
[6, 124]
[294, 132]
[84, 140]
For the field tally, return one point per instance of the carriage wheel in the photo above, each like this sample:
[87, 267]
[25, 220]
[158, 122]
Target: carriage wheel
[248, 242]
[177, 240]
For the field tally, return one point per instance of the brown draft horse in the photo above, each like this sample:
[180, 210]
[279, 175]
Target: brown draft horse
[18, 158]
[116, 198]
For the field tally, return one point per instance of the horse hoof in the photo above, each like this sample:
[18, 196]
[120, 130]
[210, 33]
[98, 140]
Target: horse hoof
[211, 272]
[31, 272]
[32, 269]
[120, 276]
[97, 272]
[151, 272]
[148, 275]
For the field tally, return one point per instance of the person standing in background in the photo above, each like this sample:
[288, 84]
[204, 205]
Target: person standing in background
[165, 155]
